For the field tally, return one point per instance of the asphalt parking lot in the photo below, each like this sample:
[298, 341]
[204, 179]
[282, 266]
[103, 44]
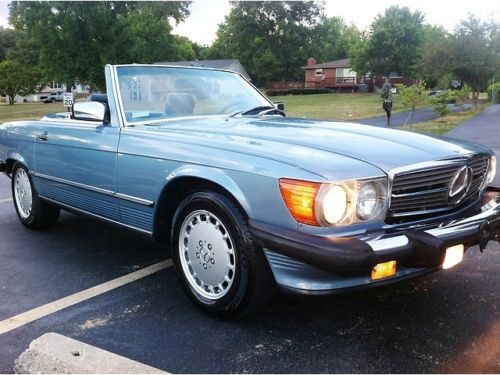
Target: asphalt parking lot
[444, 322]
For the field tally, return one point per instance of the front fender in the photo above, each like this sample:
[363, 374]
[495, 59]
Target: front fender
[14, 155]
[213, 175]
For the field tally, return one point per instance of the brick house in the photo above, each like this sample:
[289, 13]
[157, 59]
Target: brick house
[338, 75]
[331, 74]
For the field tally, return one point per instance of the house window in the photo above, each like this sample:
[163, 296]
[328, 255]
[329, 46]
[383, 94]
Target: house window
[55, 85]
[318, 72]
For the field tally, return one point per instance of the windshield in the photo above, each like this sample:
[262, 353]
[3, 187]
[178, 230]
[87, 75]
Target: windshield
[150, 93]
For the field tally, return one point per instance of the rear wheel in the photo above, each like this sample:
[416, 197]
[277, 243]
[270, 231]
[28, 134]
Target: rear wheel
[53, 100]
[31, 210]
[220, 269]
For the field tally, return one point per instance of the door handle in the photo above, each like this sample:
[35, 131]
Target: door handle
[42, 136]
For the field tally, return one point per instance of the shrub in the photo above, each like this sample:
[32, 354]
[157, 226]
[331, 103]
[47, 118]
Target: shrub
[411, 96]
[461, 95]
[494, 90]
[440, 103]
[444, 83]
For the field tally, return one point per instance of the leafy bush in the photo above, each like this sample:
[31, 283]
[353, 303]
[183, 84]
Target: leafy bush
[411, 96]
[494, 90]
[461, 95]
[440, 103]
[444, 83]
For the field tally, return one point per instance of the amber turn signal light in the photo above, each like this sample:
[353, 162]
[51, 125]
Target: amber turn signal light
[300, 199]
[383, 270]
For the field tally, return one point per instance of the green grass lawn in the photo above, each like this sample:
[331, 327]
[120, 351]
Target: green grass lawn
[336, 106]
[443, 125]
[28, 111]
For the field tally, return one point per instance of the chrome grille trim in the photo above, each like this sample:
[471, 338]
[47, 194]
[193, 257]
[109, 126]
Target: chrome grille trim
[424, 188]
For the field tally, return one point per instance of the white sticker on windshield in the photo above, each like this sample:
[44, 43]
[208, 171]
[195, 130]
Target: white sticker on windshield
[140, 114]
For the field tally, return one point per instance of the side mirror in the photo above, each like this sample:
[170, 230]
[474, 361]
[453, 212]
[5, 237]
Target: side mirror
[90, 111]
[280, 106]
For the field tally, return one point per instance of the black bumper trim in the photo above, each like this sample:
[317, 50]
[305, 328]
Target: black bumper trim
[352, 256]
[340, 255]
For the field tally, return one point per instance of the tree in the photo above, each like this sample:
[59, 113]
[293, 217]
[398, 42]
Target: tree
[17, 79]
[436, 61]
[333, 39]
[392, 45]
[7, 41]
[411, 96]
[494, 92]
[271, 39]
[358, 56]
[463, 94]
[476, 53]
[440, 103]
[76, 39]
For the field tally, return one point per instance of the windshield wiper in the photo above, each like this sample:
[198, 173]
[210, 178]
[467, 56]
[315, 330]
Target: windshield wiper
[261, 111]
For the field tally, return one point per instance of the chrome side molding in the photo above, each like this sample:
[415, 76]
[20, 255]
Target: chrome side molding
[111, 193]
[99, 217]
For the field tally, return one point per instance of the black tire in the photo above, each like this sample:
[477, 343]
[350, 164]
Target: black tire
[253, 286]
[53, 100]
[43, 215]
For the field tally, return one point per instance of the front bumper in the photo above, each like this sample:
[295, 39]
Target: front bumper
[307, 263]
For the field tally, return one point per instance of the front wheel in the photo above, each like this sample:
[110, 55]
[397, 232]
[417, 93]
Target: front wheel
[31, 210]
[220, 269]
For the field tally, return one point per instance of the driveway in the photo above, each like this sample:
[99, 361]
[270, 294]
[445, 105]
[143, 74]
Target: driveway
[483, 128]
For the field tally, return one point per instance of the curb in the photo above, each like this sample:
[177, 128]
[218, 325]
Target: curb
[54, 353]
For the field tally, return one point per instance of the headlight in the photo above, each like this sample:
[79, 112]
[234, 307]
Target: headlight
[349, 202]
[335, 204]
[371, 200]
[492, 170]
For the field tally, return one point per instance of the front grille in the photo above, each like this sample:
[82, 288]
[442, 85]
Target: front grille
[426, 190]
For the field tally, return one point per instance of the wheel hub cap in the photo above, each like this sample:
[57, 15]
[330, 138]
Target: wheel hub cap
[207, 254]
[22, 193]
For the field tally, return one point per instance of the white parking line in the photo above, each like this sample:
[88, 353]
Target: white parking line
[5, 200]
[60, 304]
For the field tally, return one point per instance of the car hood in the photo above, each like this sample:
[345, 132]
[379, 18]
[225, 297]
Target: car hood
[311, 144]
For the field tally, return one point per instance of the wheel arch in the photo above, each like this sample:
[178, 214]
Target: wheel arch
[186, 180]
[13, 158]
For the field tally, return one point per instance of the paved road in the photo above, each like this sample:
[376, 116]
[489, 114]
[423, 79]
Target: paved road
[483, 128]
[402, 118]
[444, 322]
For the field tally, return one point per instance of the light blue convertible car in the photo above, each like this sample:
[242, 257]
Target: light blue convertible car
[249, 200]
